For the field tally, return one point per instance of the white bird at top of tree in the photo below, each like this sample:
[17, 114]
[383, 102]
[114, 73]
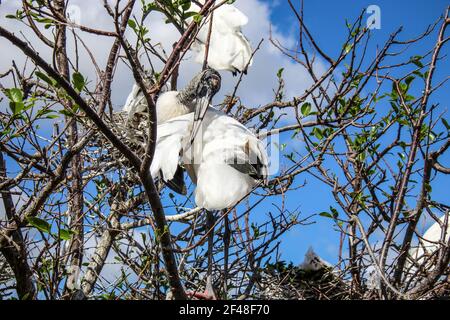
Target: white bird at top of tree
[228, 49]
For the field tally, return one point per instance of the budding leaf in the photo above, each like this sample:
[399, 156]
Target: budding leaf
[198, 18]
[280, 72]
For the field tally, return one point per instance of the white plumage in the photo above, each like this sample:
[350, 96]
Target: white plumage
[225, 161]
[167, 105]
[312, 261]
[430, 242]
[135, 101]
[228, 49]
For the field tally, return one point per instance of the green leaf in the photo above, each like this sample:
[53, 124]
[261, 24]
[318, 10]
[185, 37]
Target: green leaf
[45, 20]
[418, 73]
[66, 234]
[189, 14]
[317, 133]
[326, 215]
[67, 113]
[17, 107]
[45, 78]
[78, 81]
[416, 61]
[15, 95]
[198, 18]
[445, 123]
[408, 80]
[431, 136]
[255, 230]
[335, 212]
[306, 109]
[185, 5]
[144, 237]
[348, 48]
[132, 24]
[280, 72]
[150, 7]
[39, 224]
[403, 87]
[349, 26]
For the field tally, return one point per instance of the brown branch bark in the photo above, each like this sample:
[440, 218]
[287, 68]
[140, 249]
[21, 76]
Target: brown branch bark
[75, 190]
[16, 255]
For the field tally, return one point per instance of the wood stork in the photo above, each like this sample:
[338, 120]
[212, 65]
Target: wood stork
[171, 104]
[225, 160]
[429, 243]
[229, 49]
[313, 262]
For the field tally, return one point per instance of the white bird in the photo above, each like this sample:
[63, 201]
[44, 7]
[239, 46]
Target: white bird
[229, 49]
[225, 161]
[429, 243]
[312, 261]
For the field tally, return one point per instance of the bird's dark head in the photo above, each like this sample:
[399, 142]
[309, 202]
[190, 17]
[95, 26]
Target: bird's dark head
[209, 83]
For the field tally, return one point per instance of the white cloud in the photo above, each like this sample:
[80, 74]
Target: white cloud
[18, 199]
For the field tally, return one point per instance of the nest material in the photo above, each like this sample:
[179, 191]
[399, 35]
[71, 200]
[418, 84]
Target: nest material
[6, 274]
[132, 132]
[280, 282]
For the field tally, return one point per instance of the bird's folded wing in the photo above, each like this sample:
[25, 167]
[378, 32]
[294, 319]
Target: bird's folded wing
[262, 158]
[244, 58]
[171, 139]
[251, 159]
[177, 182]
[132, 98]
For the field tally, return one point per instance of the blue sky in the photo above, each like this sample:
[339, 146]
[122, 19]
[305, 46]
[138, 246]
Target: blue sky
[326, 21]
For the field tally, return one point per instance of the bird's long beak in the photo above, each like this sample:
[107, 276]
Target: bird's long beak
[200, 111]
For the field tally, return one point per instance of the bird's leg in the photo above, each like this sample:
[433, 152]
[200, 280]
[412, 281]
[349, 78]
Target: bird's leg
[209, 293]
[201, 295]
[210, 227]
[209, 290]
